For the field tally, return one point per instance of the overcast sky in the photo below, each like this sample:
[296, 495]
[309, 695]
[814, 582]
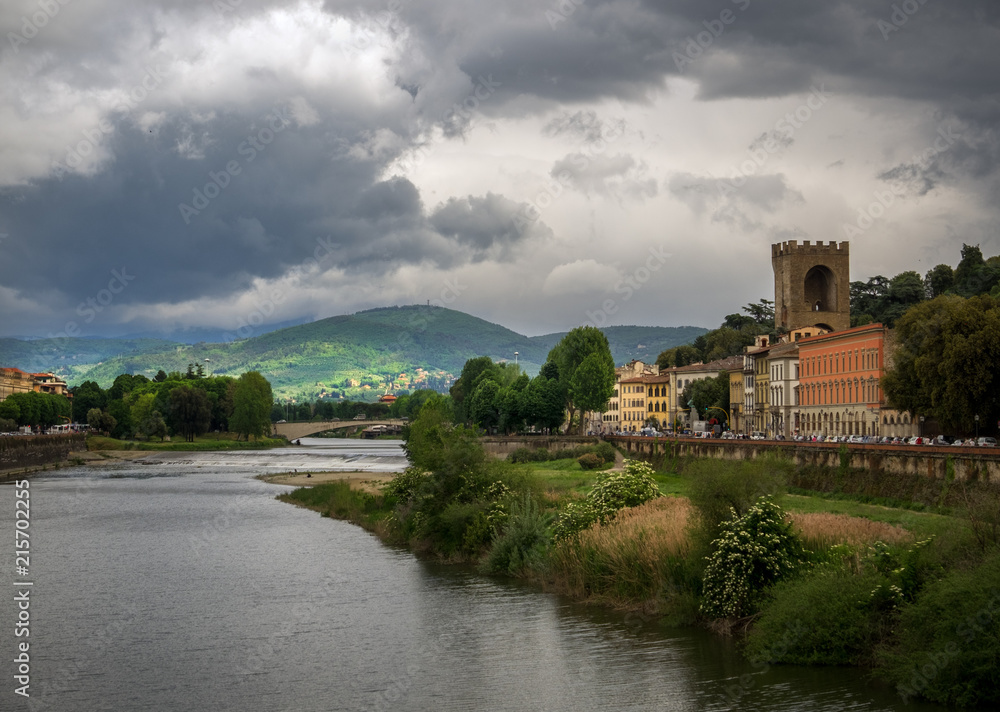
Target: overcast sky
[541, 165]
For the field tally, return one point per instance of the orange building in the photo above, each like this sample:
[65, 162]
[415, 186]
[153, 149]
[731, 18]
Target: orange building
[50, 383]
[840, 377]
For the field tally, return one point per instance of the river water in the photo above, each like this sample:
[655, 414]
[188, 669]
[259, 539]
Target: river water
[180, 583]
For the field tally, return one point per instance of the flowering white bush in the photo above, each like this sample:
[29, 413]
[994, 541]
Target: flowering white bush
[753, 552]
[613, 492]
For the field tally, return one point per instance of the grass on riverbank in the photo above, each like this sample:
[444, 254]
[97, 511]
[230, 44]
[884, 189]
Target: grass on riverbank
[866, 567]
[214, 441]
[338, 500]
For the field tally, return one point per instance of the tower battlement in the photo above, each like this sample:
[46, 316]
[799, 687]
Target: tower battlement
[812, 284]
[809, 248]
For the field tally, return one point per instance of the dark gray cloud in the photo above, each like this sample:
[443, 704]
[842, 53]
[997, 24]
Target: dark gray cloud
[485, 225]
[330, 179]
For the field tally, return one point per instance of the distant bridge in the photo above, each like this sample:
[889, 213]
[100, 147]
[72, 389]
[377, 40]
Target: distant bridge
[294, 431]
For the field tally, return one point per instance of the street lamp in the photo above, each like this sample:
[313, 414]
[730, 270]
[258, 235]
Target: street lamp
[977, 429]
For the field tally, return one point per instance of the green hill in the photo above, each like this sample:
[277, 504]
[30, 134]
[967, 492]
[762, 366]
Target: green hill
[357, 356]
[71, 358]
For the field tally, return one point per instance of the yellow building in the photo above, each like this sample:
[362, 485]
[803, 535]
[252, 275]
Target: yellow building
[658, 399]
[14, 380]
[736, 400]
[633, 403]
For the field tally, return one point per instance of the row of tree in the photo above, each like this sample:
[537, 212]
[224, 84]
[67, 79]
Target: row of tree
[578, 376]
[182, 404]
[34, 409]
[885, 300]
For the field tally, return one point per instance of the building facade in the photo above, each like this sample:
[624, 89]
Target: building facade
[840, 377]
[683, 376]
[50, 383]
[611, 419]
[14, 380]
[736, 400]
[633, 404]
[658, 400]
[783, 389]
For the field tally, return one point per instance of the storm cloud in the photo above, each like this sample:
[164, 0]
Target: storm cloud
[352, 154]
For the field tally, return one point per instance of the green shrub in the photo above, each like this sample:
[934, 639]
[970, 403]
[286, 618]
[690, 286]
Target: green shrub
[752, 553]
[720, 487]
[522, 542]
[574, 517]
[831, 616]
[590, 461]
[617, 490]
[527, 454]
[405, 484]
[606, 451]
[450, 530]
[949, 640]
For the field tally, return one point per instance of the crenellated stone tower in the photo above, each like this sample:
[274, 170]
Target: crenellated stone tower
[812, 285]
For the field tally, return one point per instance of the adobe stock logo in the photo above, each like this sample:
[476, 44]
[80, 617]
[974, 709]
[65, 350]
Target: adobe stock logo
[275, 122]
[92, 306]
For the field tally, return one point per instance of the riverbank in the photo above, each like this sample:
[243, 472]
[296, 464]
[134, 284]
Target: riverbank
[364, 481]
[862, 583]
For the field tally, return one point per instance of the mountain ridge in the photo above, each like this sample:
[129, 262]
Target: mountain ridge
[358, 355]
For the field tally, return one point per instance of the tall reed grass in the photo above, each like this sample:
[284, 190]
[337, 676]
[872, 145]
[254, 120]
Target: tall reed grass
[637, 559]
[821, 530]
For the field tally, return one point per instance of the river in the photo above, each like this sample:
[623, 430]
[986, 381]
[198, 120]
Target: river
[180, 583]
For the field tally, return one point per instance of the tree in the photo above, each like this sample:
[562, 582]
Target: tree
[160, 376]
[944, 365]
[939, 280]
[570, 353]
[724, 342]
[251, 406]
[968, 279]
[9, 410]
[685, 354]
[762, 313]
[100, 421]
[708, 393]
[141, 411]
[155, 426]
[543, 401]
[190, 411]
[433, 444]
[86, 396]
[594, 382]
[465, 385]
[484, 405]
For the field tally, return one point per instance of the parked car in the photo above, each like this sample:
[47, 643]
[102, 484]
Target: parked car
[986, 441]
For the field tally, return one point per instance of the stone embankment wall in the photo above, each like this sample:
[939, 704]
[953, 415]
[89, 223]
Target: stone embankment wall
[967, 463]
[28, 451]
[503, 446]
